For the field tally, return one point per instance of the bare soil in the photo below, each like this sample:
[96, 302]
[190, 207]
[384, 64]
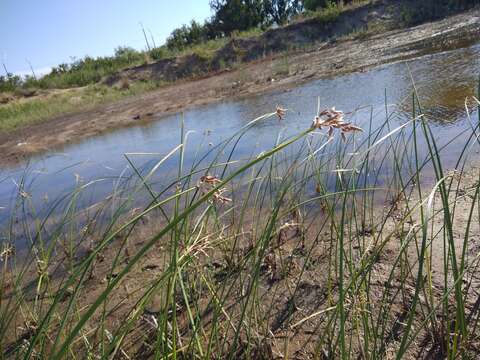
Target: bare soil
[297, 291]
[330, 58]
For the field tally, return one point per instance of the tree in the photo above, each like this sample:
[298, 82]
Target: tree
[126, 53]
[9, 82]
[187, 35]
[313, 5]
[280, 11]
[237, 15]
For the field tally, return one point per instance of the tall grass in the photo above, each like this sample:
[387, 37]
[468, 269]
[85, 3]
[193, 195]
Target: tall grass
[313, 248]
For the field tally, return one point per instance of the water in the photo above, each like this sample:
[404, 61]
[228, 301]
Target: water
[443, 81]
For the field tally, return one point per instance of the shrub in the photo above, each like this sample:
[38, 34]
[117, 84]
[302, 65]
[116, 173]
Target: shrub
[427, 10]
[158, 53]
[187, 35]
[9, 82]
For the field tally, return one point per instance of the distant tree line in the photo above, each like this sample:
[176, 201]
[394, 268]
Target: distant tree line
[230, 16]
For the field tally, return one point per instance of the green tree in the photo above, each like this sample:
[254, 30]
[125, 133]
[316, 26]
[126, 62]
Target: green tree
[126, 53]
[9, 82]
[237, 15]
[187, 35]
[280, 11]
[313, 5]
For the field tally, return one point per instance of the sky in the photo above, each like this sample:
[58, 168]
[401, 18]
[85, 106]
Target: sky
[49, 32]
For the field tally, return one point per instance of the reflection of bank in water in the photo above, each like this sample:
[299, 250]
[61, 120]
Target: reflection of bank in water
[445, 84]
[444, 104]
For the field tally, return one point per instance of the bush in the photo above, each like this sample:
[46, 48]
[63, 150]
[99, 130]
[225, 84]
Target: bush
[90, 70]
[9, 82]
[158, 53]
[313, 5]
[325, 15]
[432, 9]
[127, 54]
[187, 35]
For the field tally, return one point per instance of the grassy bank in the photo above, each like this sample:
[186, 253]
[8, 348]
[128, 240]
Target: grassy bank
[32, 110]
[77, 89]
[317, 247]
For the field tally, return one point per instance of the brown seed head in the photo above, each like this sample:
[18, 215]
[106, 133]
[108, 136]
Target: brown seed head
[333, 119]
[280, 112]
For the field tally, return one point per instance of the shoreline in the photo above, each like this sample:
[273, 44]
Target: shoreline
[280, 72]
[284, 266]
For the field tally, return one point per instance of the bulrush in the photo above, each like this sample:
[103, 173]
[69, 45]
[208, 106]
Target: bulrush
[333, 119]
[209, 179]
[7, 252]
[208, 183]
[280, 112]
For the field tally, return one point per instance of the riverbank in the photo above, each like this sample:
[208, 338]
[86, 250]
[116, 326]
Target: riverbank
[279, 264]
[357, 52]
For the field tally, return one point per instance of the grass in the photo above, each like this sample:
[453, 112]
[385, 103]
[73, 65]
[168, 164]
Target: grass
[327, 15]
[312, 247]
[208, 49]
[331, 12]
[281, 67]
[87, 71]
[17, 114]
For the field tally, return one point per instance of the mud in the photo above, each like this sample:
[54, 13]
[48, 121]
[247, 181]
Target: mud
[296, 291]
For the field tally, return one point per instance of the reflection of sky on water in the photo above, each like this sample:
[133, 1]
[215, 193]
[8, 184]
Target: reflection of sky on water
[443, 81]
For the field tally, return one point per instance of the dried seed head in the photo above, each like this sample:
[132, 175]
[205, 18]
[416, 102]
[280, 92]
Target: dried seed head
[280, 112]
[219, 198]
[333, 119]
[41, 267]
[210, 179]
[208, 183]
[7, 252]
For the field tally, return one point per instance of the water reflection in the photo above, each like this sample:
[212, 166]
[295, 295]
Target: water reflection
[443, 83]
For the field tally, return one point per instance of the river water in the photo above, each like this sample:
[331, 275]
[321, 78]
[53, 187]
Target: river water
[442, 81]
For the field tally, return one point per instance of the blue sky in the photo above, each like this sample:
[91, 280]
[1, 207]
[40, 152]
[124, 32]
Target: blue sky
[49, 32]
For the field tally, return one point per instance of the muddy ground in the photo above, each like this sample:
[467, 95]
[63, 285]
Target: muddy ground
[296, 293]
[275, 72]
